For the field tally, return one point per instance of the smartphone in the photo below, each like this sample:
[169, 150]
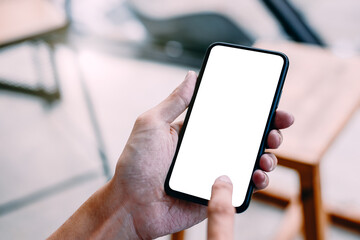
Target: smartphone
[227, 122]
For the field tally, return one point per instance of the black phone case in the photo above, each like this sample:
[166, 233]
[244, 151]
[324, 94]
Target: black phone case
[268, 127]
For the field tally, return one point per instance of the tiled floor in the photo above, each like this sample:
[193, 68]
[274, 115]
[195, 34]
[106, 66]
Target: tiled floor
[49, 161]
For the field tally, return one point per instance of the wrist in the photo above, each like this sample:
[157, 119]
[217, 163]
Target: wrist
[104, 215]
[117, 221]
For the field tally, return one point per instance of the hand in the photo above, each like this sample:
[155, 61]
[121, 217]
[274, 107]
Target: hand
[221, 211]
[133, 203]
[143, 166]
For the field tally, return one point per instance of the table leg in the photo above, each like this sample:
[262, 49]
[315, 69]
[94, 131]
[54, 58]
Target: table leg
[313, 212]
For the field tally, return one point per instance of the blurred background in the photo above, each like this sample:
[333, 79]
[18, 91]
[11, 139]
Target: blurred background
[74, 75]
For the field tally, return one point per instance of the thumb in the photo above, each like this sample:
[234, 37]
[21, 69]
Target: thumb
[176, 103]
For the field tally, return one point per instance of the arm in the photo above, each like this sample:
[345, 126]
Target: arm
[102, 216]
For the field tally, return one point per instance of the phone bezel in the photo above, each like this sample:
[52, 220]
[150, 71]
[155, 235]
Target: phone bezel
[268, 126]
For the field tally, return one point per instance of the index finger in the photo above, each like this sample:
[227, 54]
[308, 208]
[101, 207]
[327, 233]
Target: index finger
[283, 119]
[220, 210]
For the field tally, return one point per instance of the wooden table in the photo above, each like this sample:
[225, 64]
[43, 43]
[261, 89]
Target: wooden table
[322, 90]
[24, 19]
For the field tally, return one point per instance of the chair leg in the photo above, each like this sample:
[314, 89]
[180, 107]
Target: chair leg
[291, 223]
[313, 212]
[178, 236]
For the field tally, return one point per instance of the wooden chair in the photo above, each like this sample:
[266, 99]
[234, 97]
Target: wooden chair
[322, 90]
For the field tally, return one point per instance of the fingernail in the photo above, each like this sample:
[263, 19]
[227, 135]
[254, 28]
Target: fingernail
[292, 119]
[271, 162]
[224, 178]
[188, 74]
[280, 136]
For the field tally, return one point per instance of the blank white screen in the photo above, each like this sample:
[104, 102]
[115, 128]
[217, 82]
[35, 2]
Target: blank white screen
[227, 122]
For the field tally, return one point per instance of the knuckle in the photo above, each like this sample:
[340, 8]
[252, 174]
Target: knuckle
[145, 119]
[177, 95]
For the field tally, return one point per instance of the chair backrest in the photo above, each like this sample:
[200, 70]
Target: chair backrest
[195, 31]
[293, 22]
[24, 19]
